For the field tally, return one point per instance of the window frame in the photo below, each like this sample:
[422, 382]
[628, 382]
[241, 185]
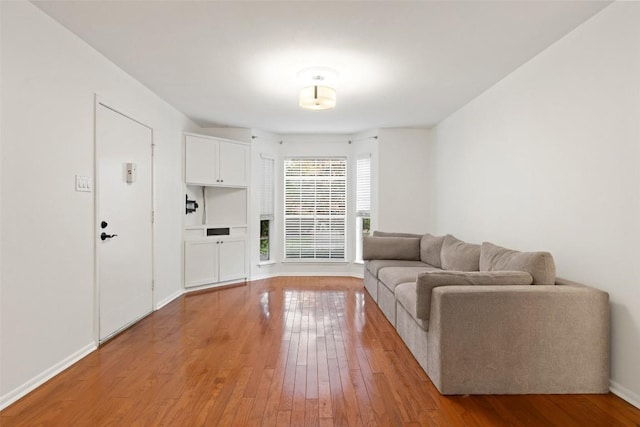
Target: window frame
[330, 246]
[363, 204]
[267, 206]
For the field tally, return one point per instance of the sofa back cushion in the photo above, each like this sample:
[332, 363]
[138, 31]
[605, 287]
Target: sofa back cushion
[376, 265]
[394, 234]
[458, 255]
[431, 279]
[406, 248]
[430, 248]
[539, 264]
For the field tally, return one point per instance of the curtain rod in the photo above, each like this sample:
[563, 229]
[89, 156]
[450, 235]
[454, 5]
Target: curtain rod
[349, 141]
[364, 139]
[266, 139]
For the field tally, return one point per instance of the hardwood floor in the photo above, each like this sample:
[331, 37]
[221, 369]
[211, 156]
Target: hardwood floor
[290, 351]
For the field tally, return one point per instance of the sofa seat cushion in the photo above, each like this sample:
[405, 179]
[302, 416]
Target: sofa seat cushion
[458, 255]
[406, 295]
[539, 264]
[393, 276]
[430, 248]
[427, 281]
[405, 248]
[374, 265]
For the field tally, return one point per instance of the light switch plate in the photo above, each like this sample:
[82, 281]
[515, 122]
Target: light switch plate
[83, 183]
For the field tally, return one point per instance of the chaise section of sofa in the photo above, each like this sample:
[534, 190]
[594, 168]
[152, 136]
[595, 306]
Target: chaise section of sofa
[511, 328]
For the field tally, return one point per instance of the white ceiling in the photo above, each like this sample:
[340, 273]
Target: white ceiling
[400, 64]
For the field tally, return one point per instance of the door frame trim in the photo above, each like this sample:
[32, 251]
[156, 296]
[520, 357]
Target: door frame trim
[117, 108]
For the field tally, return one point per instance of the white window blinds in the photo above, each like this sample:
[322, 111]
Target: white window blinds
[315, 193]
[363, 186]
[267, 166]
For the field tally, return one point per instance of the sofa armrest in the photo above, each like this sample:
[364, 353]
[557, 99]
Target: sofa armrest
[398, 248]
[429, 280]
[519, 339]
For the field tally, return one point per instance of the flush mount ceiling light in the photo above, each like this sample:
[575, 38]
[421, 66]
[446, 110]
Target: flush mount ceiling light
[318, 98]
[317, 93]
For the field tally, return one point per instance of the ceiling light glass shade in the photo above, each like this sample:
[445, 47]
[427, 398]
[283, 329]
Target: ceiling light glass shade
[318, 98]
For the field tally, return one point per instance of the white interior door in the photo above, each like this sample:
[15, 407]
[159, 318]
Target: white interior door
[124, 222]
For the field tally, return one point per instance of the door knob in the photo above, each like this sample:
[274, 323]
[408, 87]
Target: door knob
[105, 236]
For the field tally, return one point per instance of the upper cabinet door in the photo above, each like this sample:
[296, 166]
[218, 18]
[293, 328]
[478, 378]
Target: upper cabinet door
[201, 161]
[233, 161]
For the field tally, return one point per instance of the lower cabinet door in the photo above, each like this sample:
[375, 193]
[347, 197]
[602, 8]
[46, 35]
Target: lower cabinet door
[232, 259]
[200, 262]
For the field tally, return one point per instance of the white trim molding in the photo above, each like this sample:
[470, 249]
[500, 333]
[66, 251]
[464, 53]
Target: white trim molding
[624, 393]
[306, 274]
[265, 276]
[168, 299]
[243, 281]
[45, 376]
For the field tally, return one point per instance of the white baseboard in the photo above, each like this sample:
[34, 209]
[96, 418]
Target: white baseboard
[215, 285]
[262, 276]
[290, 274]
[320, 274]
[168, 299]
[624, 393]
[45, 376]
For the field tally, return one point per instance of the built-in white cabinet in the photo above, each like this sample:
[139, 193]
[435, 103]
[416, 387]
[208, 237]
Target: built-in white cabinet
[216, 178]
[200, 262]
[232, 164]
[212, 161]
[231, 259]
[214, 259]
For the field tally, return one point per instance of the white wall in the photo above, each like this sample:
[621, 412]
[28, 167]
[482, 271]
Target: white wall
[548, 159]
[236, 134]
[403, 180]
[49, 78]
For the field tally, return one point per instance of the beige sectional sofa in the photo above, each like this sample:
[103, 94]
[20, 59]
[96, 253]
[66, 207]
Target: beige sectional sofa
[482, 319]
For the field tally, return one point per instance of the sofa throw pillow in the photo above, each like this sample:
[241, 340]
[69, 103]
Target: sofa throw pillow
[405, 248]
[539, 264]
[430, 248]
[458, 255]
[393, 234]
[431, 279]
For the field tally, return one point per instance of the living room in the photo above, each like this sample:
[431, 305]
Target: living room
[544, 158]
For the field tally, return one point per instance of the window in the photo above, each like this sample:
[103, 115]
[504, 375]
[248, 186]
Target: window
[265, 241]
[363, 201]
[315, 208]
[267, 166]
